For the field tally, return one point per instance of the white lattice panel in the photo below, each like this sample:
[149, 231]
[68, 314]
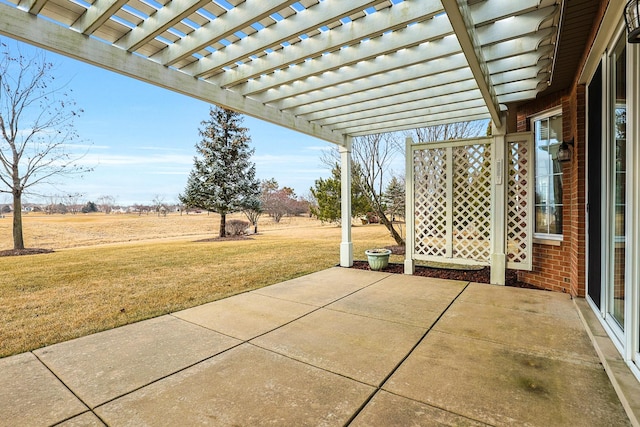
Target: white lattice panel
[519, 194]
[471, 228]
[455, 210]
[430, 195]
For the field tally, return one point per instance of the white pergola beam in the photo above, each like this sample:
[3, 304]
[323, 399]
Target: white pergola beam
[460, 18]
[47, 35]
[234, 20]
[518, 62]
[433, 96]
[392, 18]
[487, 12]
[519, 96]
[384, 96]
[515, 87]
[513, 47]
[467, 108]
[405, 58]
[32, 6]
[407, 64]
[515, 75]
[96, 15]
[413, 125]
[425, 107]
[374, 49]
[305, 21]
[337, 90]
[405, 79]
[380, 86]
[172, 13]
[517, 26]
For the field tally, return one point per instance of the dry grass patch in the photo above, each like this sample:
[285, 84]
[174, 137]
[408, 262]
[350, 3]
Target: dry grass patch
[54, 297]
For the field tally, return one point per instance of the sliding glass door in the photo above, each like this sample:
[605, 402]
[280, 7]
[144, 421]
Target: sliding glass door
[618, 185]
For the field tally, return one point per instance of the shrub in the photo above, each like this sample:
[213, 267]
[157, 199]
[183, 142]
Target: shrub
[236, 227]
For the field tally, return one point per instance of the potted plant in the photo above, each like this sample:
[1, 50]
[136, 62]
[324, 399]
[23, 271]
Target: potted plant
[378, 258]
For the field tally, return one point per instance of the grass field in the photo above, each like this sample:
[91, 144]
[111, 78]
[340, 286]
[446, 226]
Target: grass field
[110, 270]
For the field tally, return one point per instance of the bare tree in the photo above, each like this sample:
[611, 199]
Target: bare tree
[73, 202]
[36, 129]
[106, 203]
[372, 156]
[55, 204]
[449, 131]
[159, 205]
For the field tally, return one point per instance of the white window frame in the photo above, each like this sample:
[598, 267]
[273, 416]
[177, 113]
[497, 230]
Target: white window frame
[544, 237]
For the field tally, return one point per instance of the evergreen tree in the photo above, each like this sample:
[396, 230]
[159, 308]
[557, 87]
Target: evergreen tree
[327, 194]
[89, 207]
[394, 198]
[223, 178]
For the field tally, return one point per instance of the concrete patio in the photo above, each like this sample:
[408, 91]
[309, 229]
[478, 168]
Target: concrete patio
[337, 347]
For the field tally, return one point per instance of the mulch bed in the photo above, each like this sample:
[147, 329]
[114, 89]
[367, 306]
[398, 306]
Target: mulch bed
[478, 275]
[25, 251]
[481, 275]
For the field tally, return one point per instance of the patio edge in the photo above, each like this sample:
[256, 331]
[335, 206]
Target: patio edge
[624, 382]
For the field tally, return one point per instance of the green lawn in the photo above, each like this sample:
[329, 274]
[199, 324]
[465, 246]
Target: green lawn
[50, 298]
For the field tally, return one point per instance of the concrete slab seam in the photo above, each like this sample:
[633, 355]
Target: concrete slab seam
[159, 379]
[316, 308]
[88, 411]
[329, 303]
[70, 391]
[384, 381]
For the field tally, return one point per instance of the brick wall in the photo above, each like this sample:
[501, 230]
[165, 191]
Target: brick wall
[556, 265]
[563, 267]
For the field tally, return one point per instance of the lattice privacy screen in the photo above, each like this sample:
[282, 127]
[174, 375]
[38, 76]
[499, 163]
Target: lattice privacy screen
[430, 195]
[519, 203]
[452, 195]
[472, 202]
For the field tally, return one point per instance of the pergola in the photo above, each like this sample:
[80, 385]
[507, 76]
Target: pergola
[333, 69]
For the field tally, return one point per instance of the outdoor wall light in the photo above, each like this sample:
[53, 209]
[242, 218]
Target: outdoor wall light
[632, 19]
[564, 152]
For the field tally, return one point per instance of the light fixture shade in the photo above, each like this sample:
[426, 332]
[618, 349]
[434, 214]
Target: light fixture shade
[632, 19]
[564, 154]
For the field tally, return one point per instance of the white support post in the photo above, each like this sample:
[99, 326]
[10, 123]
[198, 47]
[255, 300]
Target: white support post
[499, 205]
[409, 216]
[346, 247]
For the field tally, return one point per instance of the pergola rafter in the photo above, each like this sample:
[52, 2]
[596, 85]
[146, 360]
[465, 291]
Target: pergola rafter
[333, 69]
[97, 15]
[311, 19]
[236, 19]
[408, 12]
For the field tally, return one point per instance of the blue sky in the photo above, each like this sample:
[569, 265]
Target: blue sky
[143, 139]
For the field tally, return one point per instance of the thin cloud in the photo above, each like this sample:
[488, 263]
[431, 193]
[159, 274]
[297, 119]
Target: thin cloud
[271, 159]
[129, 160]
[152, 148]
[319, 147]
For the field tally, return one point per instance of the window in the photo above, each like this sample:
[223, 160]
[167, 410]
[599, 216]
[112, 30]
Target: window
[548, 176]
